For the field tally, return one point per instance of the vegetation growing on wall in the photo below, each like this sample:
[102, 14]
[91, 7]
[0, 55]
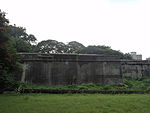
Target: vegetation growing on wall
[128, 84]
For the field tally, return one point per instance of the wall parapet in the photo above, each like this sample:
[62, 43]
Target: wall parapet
[67, 57]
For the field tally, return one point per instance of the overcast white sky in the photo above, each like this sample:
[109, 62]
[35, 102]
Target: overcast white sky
[122, 24]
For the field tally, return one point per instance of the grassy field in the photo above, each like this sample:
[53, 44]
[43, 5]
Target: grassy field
[74, 103]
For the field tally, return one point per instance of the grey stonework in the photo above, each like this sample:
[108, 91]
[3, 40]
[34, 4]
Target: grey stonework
[68, 69]
[136, 69]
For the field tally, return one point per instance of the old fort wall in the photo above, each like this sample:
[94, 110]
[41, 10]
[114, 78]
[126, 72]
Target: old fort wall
[68, 69]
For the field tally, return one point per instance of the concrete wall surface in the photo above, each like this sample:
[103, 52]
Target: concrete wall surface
[135, 69]
[68, 69]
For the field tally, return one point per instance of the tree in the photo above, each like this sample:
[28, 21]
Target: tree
[51, 46]
[74, 47]
[3, 25]
[8, 57]
[4, 47]
[31, 39]
[128, 56]
[96, 50]
[104, 50]
[20, 40]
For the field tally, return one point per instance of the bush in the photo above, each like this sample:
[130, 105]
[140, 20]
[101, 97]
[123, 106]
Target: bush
[121, 86]
[82, 87]
[8, 83]
[107, 87]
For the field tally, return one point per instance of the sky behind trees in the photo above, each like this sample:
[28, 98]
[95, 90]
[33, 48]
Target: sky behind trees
[122, 24]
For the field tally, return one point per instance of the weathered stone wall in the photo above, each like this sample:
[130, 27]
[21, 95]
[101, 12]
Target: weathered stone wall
[135, 69]
[67, 69]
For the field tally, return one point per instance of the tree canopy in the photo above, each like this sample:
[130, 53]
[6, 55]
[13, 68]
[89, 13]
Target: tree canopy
[20, 40]
[74, 47]
[53, 46]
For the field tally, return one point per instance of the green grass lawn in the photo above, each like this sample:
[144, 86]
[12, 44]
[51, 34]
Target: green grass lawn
[74, 103]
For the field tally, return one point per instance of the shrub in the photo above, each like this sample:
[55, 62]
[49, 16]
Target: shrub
[107, 87]
[8, 83]
[121, 86]
[82, 87]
